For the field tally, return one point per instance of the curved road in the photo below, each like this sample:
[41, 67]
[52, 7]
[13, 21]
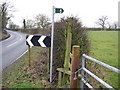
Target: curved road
[12, 48]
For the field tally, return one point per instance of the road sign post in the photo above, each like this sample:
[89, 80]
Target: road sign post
[45, 41]
[52, 37]
[54, 10]
[37, 40]
[48, 63]
[29, 55]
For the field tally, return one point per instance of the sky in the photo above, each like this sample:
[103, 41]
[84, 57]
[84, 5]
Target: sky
[87, 10]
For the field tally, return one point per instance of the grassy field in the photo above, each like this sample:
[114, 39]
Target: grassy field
[104, 47]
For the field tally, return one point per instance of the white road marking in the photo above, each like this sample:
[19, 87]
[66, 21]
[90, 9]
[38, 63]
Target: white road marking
[20, 37]
[20, 55]
[12, 44]
[17, 58]
[41, 41]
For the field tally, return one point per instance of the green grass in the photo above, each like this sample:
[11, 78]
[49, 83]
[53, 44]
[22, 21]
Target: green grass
[104, 47]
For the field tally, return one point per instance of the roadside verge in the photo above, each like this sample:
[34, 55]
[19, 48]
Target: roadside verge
[20, 75]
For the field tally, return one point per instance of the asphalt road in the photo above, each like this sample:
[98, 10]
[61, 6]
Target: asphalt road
[12, 48]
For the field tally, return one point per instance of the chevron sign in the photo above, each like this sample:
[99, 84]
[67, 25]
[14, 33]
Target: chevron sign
[38, 40]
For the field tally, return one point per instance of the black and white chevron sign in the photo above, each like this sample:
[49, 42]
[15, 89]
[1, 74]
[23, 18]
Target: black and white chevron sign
[38, 40]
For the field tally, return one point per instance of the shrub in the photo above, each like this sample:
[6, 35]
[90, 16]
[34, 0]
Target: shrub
[79, 37]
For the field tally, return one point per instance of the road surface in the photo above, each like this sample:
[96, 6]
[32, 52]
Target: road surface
[12, 48]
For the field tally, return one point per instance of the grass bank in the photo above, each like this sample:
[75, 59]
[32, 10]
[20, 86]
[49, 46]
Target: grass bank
[104, 47]
[4, 35]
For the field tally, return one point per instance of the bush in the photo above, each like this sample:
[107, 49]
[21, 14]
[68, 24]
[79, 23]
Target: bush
[79, 37]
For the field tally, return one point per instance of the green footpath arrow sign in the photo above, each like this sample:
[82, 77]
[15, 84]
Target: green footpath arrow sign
[59, 10]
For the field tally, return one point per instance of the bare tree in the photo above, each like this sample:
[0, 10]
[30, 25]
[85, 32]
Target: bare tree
[109, 25]
[30, 23]
[5, 8]
[42, 21]
[13, 25]
[102, 21]
[0, 18]
[115, 24]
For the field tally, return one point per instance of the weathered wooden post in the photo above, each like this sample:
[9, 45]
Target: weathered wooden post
[68, 51]
[48, 62]
[60, 80]
[29, 55]
[75, 66]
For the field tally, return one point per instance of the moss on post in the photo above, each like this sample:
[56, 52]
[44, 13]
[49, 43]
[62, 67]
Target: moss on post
[68, 51]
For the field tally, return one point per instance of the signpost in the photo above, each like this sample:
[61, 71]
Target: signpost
[44, 41]
[54, 10]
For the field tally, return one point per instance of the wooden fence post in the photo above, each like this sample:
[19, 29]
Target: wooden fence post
[75, 65]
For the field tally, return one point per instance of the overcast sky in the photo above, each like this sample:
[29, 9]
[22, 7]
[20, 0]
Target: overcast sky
[87, 10]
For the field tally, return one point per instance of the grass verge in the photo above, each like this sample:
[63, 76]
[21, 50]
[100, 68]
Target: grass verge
[19, 75]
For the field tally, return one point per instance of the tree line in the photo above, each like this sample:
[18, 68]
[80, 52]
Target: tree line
[39, 21]
[105, 25]
[4, 16]
[42, 21]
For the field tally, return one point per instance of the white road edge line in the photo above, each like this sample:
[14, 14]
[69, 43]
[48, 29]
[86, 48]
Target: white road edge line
[20, 56]
[15, 59]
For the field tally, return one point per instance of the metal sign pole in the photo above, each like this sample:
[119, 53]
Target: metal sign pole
[52, 36]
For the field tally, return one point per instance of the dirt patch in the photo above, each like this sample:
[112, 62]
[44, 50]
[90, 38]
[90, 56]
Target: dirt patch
[38, 69]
